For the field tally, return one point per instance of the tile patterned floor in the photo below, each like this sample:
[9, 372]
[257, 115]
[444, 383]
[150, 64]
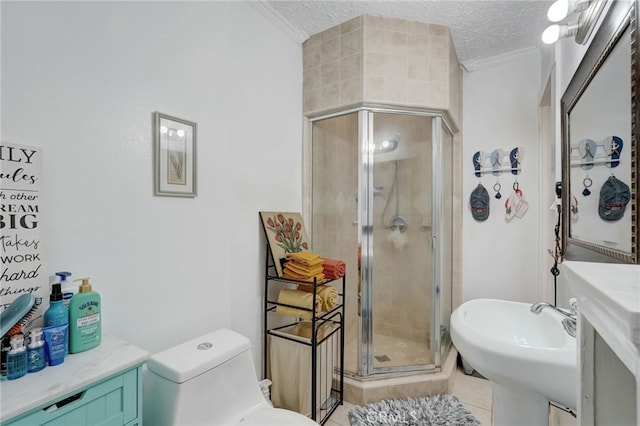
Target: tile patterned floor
[393, 350]
[475, 395]
[473, 392]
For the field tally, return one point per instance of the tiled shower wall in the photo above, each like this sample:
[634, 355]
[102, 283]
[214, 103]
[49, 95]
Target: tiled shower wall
[376, 60]
[373, 61]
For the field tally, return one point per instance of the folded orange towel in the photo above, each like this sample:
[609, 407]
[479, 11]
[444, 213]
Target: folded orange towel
[334, 268]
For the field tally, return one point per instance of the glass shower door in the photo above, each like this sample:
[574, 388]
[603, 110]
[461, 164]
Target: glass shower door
[334, 222]
[400, 223]
[382, 201]
[442, 238]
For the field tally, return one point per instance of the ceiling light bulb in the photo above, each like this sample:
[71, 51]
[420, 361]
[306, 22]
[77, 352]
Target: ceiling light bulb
[555, 32]
[551, 34]
[181, 133]
[163, 129]
[558, 10]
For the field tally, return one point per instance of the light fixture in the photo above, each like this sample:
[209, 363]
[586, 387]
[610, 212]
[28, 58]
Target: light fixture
[580, 28]
[560, 9]
[555, 32]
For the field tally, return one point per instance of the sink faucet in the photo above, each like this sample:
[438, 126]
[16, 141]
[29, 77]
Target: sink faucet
[570, 315]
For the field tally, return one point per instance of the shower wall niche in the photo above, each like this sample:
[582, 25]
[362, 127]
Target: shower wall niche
[382, 102]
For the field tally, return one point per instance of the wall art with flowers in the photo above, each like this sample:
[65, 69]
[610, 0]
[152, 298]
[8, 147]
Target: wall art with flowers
[285, 233]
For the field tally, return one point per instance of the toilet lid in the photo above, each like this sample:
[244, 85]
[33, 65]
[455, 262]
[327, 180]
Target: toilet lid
[276, 417]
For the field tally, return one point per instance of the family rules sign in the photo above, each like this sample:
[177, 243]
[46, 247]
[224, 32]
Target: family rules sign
[22, 269]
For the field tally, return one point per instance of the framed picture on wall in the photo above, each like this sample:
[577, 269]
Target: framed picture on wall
[174, 146]
[285, 233]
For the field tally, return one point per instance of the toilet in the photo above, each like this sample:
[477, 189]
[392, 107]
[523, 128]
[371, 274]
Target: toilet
[210, 380]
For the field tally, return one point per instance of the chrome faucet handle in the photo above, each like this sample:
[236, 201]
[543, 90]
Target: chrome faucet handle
[573, 302]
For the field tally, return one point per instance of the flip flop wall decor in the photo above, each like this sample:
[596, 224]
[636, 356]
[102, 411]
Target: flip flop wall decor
[498, 162]
[588, 153]
[587, 149]
[613, 147]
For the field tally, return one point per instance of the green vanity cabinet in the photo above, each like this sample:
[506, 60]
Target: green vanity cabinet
[100, 387]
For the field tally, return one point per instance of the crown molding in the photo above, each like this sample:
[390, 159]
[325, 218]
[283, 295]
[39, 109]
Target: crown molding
[279, 21]
[492, 61]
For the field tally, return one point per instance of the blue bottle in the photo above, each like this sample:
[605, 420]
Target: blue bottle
[17, 358]
[57, 314]
[67, 287]
[35, 351]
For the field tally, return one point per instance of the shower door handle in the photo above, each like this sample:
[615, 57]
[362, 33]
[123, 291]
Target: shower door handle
[433, 242]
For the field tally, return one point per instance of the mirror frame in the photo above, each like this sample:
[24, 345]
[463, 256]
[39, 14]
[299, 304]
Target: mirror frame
[622, 15]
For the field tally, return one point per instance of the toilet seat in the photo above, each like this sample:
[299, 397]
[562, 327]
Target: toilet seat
[275, 417]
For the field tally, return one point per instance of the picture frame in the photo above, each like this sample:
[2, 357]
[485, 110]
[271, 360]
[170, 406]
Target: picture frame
[175, 156]
[285, 233]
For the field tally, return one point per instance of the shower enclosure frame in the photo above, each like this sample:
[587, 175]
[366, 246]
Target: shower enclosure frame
[365, 114]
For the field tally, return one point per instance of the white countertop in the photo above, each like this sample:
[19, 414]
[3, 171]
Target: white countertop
[78, 370]
[609, 298]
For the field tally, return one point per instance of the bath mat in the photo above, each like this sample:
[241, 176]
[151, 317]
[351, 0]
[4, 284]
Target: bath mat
[426, 411]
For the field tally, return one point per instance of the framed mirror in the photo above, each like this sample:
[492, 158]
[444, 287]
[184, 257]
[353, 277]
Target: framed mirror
[600, 145]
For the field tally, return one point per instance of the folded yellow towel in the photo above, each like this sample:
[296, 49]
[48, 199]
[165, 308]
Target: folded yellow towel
[305, 258]
[299, 299]
[302, 277]
[303, 270]
[318, 278]
[326, 293]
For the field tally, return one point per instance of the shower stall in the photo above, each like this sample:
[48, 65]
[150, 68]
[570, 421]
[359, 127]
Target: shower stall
[382, 200]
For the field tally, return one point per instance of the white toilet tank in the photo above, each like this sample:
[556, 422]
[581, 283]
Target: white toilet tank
[209, 380]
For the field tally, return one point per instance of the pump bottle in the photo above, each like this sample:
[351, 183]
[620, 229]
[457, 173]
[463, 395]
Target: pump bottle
[68, 288]
[17, 358]
[85, 328]
[35, 351]
[57, 314]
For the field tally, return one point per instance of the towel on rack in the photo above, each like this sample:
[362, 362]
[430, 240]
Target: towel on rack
[303, 270]
[288, 273]
[333, 268]
[305, 258]
[326, 293]
[304, 266]
[301, 303]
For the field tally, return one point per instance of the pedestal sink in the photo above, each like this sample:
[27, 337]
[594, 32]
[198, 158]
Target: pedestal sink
[530, 359]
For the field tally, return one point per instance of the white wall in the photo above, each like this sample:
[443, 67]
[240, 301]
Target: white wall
[81, 80]
[501, 259]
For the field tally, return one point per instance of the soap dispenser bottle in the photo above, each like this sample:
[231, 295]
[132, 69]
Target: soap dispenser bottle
[35, 351]
[85, 321]
[57, 314]
[17, 358]
[5, 348]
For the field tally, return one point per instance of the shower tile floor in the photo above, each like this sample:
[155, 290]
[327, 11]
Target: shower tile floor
[389, 352]
[475, 395]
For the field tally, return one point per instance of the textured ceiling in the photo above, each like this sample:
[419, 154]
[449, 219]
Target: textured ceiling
[480, 28]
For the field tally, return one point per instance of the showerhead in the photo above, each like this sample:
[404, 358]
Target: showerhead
[386, 145]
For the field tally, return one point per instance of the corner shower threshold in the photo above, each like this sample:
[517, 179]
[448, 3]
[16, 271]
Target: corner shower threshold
[363, 390]
[391, 374]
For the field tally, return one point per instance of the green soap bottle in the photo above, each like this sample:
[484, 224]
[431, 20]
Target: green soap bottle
[85, 328]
